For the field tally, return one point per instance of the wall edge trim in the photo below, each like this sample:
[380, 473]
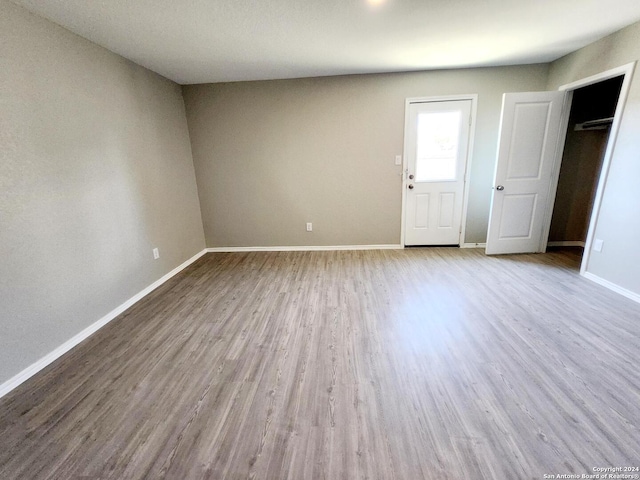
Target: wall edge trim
[473, 245]
[612, 286]
[303, 248]
[566, 243]
[52, 356]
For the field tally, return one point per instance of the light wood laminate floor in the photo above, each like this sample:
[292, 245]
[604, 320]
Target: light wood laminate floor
[411, 364]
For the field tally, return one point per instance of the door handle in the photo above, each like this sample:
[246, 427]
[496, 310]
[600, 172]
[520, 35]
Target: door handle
[499, 188]
[410, 187]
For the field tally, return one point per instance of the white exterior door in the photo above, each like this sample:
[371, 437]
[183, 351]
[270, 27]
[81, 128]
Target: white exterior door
[436, 145]
[527, 149]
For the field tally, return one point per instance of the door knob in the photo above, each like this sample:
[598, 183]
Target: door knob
[410, 187]
[499, 188]
[411, 177]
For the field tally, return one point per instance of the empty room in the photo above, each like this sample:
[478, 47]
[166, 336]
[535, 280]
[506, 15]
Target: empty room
[366, 239]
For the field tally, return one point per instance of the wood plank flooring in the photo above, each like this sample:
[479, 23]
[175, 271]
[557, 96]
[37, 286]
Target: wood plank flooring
[411, 364]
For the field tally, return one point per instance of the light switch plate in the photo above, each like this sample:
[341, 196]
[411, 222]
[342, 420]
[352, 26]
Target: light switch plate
[398, 159]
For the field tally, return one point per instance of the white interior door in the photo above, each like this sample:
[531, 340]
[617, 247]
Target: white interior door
[530, 128]
[437, 142]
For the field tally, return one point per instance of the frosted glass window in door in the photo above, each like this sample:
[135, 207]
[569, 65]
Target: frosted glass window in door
[437, 146]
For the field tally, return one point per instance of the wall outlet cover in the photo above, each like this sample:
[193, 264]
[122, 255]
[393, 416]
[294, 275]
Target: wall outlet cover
[597, 244]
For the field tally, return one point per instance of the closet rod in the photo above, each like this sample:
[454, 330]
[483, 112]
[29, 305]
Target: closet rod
[599, 124]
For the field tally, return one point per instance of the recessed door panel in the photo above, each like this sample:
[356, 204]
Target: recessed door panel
[447, 206]
[526, 152]
[517, 213]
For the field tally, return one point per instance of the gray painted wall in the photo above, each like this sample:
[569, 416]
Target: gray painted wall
[618, 223]
[95, 171]
[273, 155]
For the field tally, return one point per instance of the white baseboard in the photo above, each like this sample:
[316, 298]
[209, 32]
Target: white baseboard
[576, 243]
[612, 286]
[473, 245]
[300, 248]
[34, 368]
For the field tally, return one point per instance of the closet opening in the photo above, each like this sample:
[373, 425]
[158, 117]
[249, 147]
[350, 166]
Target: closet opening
[592, 112]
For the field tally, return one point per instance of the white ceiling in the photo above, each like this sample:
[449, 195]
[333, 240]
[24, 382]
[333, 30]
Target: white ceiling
[199, 41]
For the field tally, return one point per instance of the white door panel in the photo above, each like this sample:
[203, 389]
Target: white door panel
[527, 151]
[437, 148]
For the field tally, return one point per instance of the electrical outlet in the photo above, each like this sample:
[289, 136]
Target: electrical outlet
[156, 253]
[597, 244]
[309, 227]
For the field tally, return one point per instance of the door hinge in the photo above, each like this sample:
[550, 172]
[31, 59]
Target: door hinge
[469, 120]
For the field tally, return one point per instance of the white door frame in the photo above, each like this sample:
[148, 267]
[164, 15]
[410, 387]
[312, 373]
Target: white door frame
[467, 169]
[627, 71]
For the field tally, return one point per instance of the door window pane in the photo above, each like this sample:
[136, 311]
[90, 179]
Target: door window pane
[437, 148]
